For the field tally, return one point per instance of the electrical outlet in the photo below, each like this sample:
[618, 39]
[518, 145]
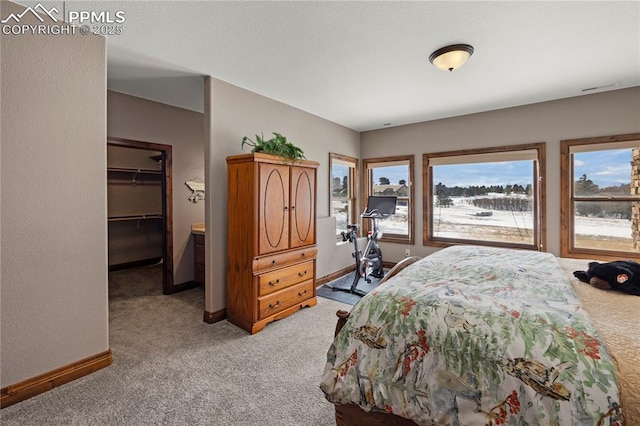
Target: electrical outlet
[407, 252]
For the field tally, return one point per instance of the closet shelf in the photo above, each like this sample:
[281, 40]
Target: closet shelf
[135, 182]
[133, 170]
[135, 217]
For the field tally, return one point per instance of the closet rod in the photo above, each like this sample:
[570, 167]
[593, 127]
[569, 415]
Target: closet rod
[133, 170]
[135, 217]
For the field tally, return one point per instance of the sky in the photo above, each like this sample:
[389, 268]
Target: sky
[605, 168]
[487, 174]
[394, 173]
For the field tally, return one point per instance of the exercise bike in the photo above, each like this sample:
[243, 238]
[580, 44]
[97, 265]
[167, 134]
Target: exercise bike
[369, 262]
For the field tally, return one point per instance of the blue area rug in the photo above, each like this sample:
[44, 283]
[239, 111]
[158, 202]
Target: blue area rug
[327, 291]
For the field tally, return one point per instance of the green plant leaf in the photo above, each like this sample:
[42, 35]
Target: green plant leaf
[277, 145]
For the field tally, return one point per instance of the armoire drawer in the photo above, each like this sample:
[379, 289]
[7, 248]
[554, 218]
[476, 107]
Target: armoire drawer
[284, 299]
[277, 260]
[285, 277]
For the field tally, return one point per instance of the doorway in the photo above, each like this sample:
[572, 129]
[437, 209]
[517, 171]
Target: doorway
[140, 213]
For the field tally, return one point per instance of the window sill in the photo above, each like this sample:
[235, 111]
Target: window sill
[396, 239]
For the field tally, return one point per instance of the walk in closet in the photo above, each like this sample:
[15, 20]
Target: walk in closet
[135, 194]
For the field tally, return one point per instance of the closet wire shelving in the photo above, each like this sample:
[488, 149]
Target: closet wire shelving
[133, 182]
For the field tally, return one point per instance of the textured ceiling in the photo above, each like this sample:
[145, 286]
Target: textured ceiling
[364, 64]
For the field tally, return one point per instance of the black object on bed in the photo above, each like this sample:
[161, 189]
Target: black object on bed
[621, 275]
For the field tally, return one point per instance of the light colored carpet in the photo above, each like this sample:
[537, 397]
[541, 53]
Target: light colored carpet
[171, 368]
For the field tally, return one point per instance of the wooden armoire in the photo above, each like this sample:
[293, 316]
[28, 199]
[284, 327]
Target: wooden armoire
[271, 238]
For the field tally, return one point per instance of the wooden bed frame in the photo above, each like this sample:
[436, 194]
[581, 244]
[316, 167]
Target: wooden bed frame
[351, 414]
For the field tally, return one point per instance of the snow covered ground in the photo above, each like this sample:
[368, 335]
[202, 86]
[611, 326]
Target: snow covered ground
[620, 228]
[462, 221]
[396, 224]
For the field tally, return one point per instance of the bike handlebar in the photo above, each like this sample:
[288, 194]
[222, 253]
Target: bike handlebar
[374, 214]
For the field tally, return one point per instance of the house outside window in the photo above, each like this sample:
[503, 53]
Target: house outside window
[343, 191]
[392, 176]
[600, 210]
[490, 196]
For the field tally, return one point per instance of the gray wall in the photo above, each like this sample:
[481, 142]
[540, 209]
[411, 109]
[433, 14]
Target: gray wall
[231, 113]
[54, 223]
[130, 117]
[603, 114]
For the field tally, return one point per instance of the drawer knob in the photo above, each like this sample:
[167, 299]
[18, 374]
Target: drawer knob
[273, 262]
[302, 294]
[273, 283]
[302, 274]
[302, 254]
[274, 305]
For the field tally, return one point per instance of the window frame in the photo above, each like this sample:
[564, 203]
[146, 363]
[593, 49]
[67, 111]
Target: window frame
[539, 198]
[354, 179]
[568, 200]
[367, 185]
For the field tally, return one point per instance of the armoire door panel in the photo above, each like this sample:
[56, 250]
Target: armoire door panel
[302, 207]
[274, 208]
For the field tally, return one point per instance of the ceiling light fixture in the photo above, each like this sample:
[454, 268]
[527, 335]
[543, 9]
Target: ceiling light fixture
[451, 57]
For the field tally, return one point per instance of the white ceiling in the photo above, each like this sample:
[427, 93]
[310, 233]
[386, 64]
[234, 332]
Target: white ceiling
[364, 64]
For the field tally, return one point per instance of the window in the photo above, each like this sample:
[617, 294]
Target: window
[343, 191]
[491, 196]
[600, 209]
[392, 176]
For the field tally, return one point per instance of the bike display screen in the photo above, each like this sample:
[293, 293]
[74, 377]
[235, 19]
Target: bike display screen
[381, 204]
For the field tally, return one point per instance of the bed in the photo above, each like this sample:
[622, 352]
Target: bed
[483, 336]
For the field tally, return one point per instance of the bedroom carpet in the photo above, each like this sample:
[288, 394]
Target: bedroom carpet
[171, 368]
[345, 282]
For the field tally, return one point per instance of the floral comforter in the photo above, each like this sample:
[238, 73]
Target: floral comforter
[475, 336]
